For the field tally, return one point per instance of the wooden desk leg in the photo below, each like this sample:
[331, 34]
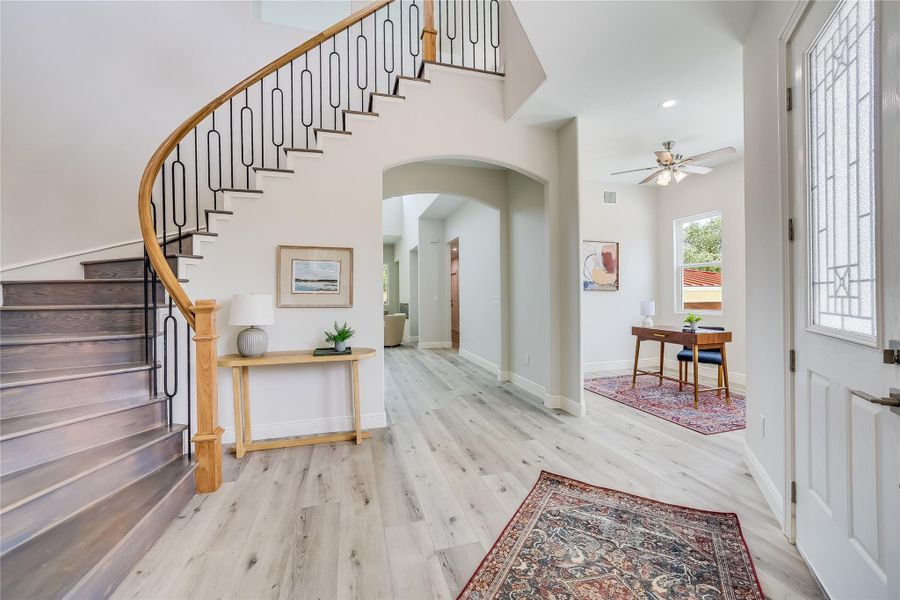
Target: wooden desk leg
[719, 383]
[696, 379]
[356, 416]
[637, 353]
[725, 375]
[662, 359]
[681, 371]
[245, 402]
[238, 420]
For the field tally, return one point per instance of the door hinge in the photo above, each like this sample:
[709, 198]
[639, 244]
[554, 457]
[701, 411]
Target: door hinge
[790, 99]
[792, 359]
[793, 492]
[790, 230]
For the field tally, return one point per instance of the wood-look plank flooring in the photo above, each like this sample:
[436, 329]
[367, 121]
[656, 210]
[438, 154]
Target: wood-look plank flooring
[410, 513]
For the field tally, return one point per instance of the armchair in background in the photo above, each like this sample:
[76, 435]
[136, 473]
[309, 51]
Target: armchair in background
[393, 329]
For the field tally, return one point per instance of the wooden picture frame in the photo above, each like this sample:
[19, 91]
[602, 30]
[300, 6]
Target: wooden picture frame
[600, 263]
[314, 277]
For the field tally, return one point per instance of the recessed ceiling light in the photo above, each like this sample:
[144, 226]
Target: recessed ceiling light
[668, 103]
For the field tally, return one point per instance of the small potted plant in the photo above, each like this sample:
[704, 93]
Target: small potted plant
[691, 321]
[339, 336]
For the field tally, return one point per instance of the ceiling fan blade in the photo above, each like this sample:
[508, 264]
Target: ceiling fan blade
[652, 177]
[710, 154]
[633, 171]
[663, 156]
[695, 169]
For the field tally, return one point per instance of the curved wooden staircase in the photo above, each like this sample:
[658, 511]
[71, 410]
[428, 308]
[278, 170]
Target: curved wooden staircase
[92, 466]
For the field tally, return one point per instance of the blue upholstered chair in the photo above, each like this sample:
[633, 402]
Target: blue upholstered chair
[708, 357]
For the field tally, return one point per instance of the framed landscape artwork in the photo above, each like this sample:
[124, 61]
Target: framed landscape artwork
[313, 276]
[599, 266]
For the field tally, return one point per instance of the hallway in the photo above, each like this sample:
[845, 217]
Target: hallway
[411, 513]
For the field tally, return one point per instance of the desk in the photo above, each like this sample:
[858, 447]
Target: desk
[701, 339]
[240, 376]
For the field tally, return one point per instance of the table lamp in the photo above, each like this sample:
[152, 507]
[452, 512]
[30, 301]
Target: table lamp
[648, 309]
[252, 310]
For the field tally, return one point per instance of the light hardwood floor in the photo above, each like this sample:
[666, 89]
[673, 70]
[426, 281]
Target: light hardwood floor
[410, 513]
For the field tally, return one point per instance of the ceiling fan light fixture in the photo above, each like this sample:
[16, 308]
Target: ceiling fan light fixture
[664, 178]
[679, 176]
[668, 103]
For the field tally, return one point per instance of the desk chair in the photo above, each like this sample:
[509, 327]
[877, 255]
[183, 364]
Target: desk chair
[709, 357]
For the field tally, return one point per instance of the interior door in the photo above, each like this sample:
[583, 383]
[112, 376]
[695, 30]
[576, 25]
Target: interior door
[846, 294]
[454, 293]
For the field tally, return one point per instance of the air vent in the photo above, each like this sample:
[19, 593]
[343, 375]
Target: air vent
[609, 197]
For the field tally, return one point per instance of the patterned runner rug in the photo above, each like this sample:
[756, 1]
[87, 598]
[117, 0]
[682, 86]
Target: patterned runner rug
[574, 541]
[666, 402]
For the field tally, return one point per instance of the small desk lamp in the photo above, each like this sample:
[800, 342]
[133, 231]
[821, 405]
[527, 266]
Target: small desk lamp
[252, 310]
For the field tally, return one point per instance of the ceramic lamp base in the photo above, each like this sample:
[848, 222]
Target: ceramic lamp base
[252, 342]
[647, 322]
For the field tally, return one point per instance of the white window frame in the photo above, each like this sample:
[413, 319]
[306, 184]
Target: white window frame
[678, 226]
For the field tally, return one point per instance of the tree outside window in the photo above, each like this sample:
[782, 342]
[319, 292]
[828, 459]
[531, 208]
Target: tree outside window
[698, 268]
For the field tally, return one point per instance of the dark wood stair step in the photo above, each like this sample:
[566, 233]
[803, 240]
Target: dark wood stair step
[87, 555]
[432, 63]
[183, 243]
[373, 95]
[80, 291]
[130, 267]
[37, 438]
[69, 319]
[407, 78]
[38, 391]
[40, 497]
[51, 351]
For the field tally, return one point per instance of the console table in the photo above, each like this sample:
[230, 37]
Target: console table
[240, 376]
[702, 339]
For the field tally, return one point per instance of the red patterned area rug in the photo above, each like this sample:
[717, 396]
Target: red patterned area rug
[574, 541]
[666, 402]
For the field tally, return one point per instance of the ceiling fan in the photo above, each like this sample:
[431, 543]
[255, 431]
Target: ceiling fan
[672, 167]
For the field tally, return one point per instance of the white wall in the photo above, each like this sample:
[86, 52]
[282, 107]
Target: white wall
[434, 286]
[478, 228]
[765, 229]
[528, 277]
[88, 92]
[458, 115]
[607, 317]
[722, 190]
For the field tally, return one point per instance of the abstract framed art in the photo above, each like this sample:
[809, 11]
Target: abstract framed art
[315, 277]
[599, 266]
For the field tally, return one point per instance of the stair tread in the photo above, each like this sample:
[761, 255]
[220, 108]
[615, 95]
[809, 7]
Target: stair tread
[37, 307]
[54, 562]
[31, 377]
[87, 281]
[112, 260]
[24, 339]
[22, 485]
[13, 427]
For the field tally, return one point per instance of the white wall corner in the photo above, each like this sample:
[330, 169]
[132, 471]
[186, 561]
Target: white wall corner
[435, 345]
[766, 485]
[527, 385]
[572, 407]
[504, 376]
[308, 427]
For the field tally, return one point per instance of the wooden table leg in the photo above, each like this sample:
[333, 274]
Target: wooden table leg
[662, 359]
[681, 371]
[245, 402]
[696, 378]
[719, 382]
[238, 410]
[637, 353]
[356, 416]
[725, 375]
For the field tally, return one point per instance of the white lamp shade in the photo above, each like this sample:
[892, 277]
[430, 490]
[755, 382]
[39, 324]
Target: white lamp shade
[648, 308]
[251, 309]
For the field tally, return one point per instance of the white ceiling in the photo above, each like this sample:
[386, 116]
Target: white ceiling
[614, 62]
[443, 206]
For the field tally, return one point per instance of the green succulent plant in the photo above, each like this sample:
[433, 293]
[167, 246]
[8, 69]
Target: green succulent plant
[340, 333]
[692, 319]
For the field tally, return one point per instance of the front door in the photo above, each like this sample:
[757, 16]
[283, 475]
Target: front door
[844, 165]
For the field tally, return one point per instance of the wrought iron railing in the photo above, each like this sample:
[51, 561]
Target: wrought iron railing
[252, 126]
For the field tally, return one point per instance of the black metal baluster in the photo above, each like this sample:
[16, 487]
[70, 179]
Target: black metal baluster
[209, 163]
[332, 57]
[187, 346]
[231, 137]
[362, 86]
[243, 116]
[347, 35]
[475, 29]
[164, 219]
[414, 35]
[197, 185]
[375, 48]
[172, 391]
[306, 75]
[384, 47]
[321, 114]
[279, 141]
[262, 125]
[495, 42]
[292, 105]
[451, 38]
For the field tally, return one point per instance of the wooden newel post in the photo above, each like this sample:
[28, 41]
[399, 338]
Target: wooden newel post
[429, 33]
[208, 439]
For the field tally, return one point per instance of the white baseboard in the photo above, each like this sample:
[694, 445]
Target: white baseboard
[435, 345]
[768, 488]
[567, 404]
[503, 376]
[308, 427]
[480, 361]
[527, 385]
[410, 339]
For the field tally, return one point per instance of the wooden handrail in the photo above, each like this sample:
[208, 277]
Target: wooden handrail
[148, 230]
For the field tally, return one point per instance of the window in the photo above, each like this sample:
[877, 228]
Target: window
[698, 263]
[841, 174]
[384, 284]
